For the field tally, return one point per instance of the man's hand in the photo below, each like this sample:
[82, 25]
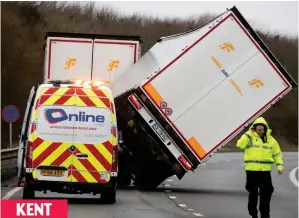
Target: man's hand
[279, 172]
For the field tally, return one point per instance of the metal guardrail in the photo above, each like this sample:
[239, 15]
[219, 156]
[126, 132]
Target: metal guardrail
[9, 153]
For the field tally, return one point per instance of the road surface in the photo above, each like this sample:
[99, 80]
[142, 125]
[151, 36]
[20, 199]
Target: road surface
[216, 190]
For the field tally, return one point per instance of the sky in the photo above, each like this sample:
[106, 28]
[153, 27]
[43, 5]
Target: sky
[273, 16]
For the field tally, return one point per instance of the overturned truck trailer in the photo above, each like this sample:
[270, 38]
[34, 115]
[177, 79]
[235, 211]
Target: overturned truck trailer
[190, 94]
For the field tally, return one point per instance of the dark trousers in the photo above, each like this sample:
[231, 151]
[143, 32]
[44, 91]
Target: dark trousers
[262, 182]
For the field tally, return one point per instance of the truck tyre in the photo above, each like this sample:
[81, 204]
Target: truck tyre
[147, 182]
[124, 174]
[124, 180]
[152, 176]
[108, 196]
[28, 191]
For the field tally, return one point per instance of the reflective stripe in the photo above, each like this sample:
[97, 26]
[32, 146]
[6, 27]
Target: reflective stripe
[251, 145]
[250, 139]
[278, 164]
[266, 147]
[259, 161]
[277, 154]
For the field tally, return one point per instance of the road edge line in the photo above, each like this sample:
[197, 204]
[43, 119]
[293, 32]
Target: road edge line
[9, 194]
[293, 176]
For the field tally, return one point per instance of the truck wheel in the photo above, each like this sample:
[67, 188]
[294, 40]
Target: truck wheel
[124, 180]
[124, 173]
[28, 191]
[152, 176]
[146, 183]
[108, 196]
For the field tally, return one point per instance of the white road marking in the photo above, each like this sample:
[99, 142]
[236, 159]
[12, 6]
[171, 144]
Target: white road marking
[11, 193]
[169, 180]
[182, 205]
[203, 164]
[172, 197]
[197, 214]
[190, 209]
[293, 176]
[167, 185]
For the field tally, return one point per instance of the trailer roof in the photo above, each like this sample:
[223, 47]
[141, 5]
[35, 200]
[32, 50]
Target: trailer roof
[93, 36]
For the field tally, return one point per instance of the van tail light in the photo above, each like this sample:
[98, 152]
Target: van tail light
[135, 102]
[185, 163]
[114, 166]
[29, 151]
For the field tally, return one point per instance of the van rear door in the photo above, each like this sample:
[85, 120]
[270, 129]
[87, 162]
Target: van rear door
[52, 134]
[93, 143]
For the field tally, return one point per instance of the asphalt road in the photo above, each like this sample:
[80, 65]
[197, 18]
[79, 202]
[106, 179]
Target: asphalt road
[215, 190]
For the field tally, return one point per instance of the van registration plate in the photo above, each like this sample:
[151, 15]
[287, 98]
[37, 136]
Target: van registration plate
[57, 173]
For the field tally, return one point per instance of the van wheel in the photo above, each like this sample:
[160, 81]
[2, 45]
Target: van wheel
[108, 196]
[28, 191]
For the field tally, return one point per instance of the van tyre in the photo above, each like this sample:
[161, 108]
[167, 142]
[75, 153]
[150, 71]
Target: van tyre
[108, 196]
[28, 191]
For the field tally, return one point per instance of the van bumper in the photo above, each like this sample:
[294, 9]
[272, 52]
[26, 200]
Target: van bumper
[71, 187]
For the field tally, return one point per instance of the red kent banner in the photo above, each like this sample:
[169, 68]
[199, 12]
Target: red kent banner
[34, 208]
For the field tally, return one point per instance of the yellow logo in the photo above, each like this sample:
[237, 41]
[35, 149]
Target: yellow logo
[112, 65]
[69, 63]
[256, 82]
[234, 84]
[216, 62]
[227, 46]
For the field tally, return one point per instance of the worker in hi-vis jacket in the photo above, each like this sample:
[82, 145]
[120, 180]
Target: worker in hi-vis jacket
[261, 151]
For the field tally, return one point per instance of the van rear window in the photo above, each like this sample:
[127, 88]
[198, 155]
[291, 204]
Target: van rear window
[87, 125]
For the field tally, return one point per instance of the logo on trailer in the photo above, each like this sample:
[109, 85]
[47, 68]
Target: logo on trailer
[256, 82]
[235, 85]
[112, 65]
[216, 62]
[59, 115]
[69, 63]
[227, 46]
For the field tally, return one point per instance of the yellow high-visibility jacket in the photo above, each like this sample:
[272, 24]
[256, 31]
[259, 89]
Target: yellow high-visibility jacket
[259, 155]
